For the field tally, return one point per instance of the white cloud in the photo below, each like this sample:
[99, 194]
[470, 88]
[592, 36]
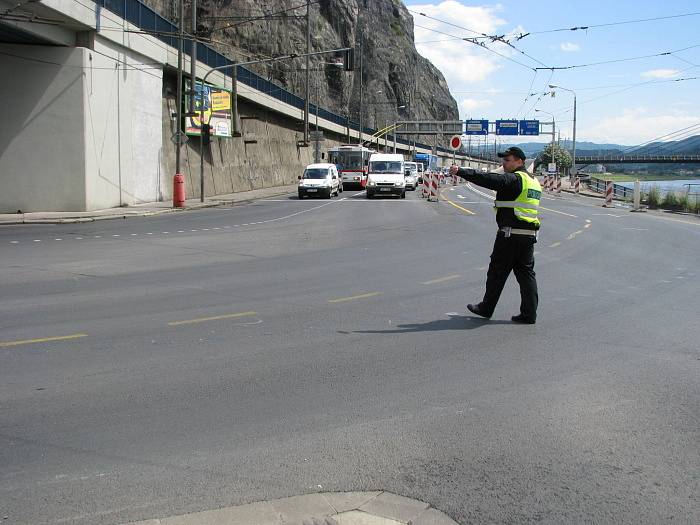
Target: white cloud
[569, 47]
[469, 105]
[460, 62]
[661, 73]
[636, 125]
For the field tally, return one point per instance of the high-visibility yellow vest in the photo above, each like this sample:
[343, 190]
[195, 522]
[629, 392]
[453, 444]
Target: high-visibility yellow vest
[526, 205]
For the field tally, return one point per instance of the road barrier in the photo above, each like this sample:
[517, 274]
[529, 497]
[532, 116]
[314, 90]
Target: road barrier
[577, 185]
[609, 191]
[425, 186]
[558, 185]
[434, 184]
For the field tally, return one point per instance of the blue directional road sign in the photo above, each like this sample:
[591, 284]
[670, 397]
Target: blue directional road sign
[529, 127]
[477, 127]
[507, 127]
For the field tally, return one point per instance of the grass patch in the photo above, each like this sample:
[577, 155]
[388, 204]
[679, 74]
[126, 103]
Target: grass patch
[654, 197]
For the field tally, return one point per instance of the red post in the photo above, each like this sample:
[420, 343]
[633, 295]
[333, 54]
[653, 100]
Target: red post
[178, 191]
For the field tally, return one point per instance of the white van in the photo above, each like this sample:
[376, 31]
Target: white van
[385, 175]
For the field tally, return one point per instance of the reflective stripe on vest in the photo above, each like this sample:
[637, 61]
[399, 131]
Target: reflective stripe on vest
[526, 204]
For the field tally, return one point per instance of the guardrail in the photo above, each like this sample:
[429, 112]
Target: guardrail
[147, 19]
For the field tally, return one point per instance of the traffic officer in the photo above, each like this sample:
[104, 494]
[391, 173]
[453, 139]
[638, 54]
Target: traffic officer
[516, 205]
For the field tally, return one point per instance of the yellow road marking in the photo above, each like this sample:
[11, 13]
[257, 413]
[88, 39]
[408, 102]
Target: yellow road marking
[554, 244]
[559, 212]
[7, 344]
[353, 297]
[214, 318]
[443, 279]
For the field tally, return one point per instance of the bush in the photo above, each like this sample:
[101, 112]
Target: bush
[682, 200]
[654, 197]
[670, 201]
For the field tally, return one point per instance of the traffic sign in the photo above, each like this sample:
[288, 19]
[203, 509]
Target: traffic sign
[456, 142]
[529, 127]
[507, 127]
[552, 167]
[477, 127]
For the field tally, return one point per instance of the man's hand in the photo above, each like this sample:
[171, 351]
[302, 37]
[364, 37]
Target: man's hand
[453, 170]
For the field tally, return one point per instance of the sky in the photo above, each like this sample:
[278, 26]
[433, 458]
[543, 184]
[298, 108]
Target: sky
[625, 102]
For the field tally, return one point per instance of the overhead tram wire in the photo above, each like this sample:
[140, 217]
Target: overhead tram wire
[609, 24]
[478, 44]
[673, 135]
[632, 86]
[617, 60]
[492, 38]
[263, 17]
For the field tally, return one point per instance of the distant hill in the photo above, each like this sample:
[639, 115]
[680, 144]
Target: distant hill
[690, 145]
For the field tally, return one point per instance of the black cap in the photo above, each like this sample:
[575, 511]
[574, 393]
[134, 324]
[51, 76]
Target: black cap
[515, 151]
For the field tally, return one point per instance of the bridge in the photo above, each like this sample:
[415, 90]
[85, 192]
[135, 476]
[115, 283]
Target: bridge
[637, 159]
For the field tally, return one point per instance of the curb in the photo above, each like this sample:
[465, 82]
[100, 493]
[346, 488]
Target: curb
[147, 213]
[322, 508]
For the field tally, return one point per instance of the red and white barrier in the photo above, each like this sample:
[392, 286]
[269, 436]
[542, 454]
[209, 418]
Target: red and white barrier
[609, 190]
[577, 185]
[425, 187]
[434, 184]
[558, 185]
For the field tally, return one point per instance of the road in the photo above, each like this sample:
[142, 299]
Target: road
[158, 366]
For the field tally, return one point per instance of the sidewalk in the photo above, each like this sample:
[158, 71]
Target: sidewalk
[142, 210]
[329, 508]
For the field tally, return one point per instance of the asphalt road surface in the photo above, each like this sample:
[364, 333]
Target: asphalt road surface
[159, 366]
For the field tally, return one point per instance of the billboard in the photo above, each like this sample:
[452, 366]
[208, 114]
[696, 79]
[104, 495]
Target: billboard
[216, 103]
[507, 127]
[529, 127]
[477, 127]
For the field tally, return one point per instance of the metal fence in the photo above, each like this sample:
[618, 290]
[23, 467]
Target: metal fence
[147, 19]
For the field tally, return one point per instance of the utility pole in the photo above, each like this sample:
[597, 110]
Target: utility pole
[193, 58]
[361, 90]
[306, 98]
[573, 148]
[181, 36]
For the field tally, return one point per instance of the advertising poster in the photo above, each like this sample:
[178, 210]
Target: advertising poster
[216, 103]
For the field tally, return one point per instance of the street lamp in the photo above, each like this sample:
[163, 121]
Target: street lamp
[553, 129]
[573, 142]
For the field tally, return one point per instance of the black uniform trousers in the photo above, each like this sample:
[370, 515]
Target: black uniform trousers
[516, 253]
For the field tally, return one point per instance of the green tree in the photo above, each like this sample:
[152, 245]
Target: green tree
[561, 157]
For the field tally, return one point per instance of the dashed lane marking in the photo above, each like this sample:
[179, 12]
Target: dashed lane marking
[224, 227]
[354, 297]
[213, 318]
[442, 279]
[555, 244]
[8, 344]
[559, 212]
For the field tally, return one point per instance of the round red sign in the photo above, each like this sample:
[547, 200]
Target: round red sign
[455, 142]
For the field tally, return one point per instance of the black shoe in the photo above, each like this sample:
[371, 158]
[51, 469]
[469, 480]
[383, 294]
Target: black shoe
[520, 318]
[476, 309]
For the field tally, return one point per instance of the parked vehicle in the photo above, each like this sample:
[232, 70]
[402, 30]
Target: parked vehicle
[320, 180]
[386, 175]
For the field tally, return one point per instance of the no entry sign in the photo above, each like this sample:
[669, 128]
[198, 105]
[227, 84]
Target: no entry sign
[456, 142]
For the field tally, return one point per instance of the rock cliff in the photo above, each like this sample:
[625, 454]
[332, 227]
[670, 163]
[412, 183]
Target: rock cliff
[394, 73]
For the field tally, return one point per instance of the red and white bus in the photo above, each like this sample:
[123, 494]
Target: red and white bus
[352, 162]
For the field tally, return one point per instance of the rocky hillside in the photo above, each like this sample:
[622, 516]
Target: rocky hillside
[394, 73]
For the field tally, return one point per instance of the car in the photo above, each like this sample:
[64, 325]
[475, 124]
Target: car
[320, 180]
[411, 175]
[386, 175]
